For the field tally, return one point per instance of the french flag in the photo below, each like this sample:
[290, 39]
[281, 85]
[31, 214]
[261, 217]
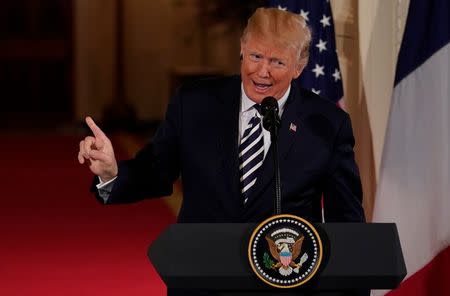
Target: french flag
[414, 183]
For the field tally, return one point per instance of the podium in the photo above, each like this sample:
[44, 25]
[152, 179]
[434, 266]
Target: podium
[213, 257]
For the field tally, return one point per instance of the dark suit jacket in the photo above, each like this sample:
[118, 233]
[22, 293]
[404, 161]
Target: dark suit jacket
[199, 140]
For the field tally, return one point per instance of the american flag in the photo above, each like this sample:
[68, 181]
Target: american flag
[322, 75]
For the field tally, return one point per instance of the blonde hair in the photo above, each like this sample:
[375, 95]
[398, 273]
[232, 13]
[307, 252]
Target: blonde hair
[281, 27]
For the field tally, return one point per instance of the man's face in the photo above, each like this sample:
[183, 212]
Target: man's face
[267, 69]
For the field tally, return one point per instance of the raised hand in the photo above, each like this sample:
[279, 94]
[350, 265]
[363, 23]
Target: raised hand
[98, 152]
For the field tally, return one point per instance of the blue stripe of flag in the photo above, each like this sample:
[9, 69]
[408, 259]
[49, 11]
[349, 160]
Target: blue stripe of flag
[427, 30]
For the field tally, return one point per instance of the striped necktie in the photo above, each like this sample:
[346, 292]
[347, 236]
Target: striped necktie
[251, 154]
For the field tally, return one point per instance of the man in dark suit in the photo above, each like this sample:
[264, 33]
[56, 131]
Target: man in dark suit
[212, 137]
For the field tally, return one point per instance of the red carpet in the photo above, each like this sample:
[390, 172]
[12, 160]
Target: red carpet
[56, 239]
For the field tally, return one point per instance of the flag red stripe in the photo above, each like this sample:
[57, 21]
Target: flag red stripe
[432, 279]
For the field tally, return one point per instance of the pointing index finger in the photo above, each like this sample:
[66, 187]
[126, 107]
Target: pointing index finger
[98, 133]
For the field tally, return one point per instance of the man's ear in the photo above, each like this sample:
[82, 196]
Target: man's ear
[299, 68]
[243, 43]
[241, 55]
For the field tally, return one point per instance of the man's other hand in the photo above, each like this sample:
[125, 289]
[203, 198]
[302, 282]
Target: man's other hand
[98, 152]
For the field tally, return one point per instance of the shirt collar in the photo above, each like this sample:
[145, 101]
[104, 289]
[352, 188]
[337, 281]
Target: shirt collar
[247, 104]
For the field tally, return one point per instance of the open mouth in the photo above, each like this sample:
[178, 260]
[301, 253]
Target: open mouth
[261, 86]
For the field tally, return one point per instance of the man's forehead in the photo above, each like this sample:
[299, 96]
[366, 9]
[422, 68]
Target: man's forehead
[267, 48]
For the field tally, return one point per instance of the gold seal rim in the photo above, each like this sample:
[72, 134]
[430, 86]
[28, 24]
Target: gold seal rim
[319, 243]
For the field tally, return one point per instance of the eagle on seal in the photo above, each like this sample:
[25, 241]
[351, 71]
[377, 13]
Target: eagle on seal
[286, 253]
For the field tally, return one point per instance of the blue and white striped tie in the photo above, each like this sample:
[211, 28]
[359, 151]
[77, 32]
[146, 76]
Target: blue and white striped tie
[251, 155]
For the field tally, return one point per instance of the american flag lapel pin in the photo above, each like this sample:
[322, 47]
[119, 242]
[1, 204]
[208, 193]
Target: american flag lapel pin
[292, 127]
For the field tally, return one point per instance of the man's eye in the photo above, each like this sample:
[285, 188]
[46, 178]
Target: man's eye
[255, 57]
[278, 63]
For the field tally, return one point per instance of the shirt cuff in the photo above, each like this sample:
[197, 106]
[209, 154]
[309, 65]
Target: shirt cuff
[104, 185]
[105, 188]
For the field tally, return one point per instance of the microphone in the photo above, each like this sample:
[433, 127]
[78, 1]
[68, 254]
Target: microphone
[271, 122]
[271, 119]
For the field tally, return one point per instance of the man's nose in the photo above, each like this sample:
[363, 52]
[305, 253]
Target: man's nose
[264, 69]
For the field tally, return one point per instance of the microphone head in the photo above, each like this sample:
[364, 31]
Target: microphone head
[269, 104]
[269, 111]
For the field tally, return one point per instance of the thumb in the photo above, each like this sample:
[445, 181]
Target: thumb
[101, 156]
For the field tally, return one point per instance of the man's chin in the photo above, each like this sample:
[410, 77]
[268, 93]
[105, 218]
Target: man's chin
[259, 98]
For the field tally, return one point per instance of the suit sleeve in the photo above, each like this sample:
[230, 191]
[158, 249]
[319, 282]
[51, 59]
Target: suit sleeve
[155, 167]
[342, 186]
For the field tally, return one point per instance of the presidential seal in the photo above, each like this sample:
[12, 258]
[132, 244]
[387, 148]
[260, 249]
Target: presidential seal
[285, 251]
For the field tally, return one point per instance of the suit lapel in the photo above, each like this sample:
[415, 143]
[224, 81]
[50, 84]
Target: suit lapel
[228, 130]
[290, 121]
[290, 126]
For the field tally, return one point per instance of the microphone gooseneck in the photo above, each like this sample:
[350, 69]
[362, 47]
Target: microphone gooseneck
[271, 122]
